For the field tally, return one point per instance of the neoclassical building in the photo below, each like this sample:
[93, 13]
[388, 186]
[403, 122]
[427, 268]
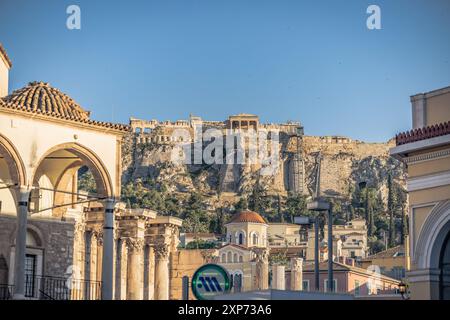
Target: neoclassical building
[426, 152]
[57, 242]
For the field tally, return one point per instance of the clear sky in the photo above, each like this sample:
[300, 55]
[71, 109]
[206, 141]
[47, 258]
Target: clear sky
[310, 61]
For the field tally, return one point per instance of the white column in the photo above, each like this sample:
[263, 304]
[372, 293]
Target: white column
[108, 251]
[162, 272]
[296, 274]
[21, 243]
[134, 270]
[262, 269]
[278, 277]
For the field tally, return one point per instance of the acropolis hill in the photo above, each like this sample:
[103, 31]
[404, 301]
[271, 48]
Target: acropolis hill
[344, 162]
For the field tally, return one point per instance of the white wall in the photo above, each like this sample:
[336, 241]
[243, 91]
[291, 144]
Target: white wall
[4, 73]
[34, 137]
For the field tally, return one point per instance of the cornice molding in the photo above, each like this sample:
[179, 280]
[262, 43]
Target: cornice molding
[427, 157]
[428, 181]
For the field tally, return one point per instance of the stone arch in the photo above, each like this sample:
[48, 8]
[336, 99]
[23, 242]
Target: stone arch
[32, 230]
[432, 236]
[13, 160]
[91, 160]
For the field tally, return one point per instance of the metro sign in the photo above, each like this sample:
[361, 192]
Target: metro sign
[209, 281]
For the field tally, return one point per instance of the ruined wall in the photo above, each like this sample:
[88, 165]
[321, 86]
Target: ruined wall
[185, 263]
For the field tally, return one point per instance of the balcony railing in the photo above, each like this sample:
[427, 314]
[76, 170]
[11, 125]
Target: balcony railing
[6, 292]
[55, 288]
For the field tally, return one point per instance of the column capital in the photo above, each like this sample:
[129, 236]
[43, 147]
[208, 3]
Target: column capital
[262, 254]
[135, 245]
[161, 251]
[296, 264]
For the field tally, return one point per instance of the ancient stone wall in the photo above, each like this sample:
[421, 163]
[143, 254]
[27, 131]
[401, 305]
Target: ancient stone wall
[55, 238]
[185, 263]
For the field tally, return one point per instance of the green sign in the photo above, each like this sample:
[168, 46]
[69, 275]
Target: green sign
[209, 281]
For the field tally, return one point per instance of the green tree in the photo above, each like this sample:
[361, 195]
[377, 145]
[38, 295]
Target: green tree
[86, 181]
[258, 201]
[196, 218]
[391, 204]
[241, 205]
[296, 205]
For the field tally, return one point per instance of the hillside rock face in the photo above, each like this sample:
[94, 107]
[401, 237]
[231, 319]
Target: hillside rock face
[147, 154]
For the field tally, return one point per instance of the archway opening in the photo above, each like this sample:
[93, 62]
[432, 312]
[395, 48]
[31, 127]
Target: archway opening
[67, 180]
[444, 267]
[12, 175]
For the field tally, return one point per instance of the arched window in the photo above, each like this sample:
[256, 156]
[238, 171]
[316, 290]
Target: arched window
[255, 239]
[241, 259]
[138, 130]
[224, 258]
[235, 258]
[241, 238]
[229, 257]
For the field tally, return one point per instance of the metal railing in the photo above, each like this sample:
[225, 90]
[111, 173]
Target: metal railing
[6, 291]
[55, 288]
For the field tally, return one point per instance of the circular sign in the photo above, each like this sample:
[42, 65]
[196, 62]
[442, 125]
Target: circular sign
[209, 281]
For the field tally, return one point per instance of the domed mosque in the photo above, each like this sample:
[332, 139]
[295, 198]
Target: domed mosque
[52, 230]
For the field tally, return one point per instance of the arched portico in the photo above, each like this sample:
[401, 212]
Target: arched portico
[74, 154]
[12, 173]
[429, 252]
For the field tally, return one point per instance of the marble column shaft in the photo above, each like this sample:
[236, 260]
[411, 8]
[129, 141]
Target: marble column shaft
[134, 269]
[296, 283]
[21, 243]
[161, 271]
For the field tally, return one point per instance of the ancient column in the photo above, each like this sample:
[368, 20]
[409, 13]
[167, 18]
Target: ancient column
[149, 273]
[77, 285]
[135, 272]
[93, 257]
[262, 269]
[118, 271]
[21, 243]
[108, 251]
[161, 271]
[278, 277]
[297, 274]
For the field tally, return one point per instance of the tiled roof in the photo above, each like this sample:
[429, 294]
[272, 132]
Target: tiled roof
[247, 216]
[337, 266]
[42, 99]
[5, 56]
[397, 251]
[423, 133]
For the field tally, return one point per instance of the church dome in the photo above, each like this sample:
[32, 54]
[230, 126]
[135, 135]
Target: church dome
[247, 216]
[41, 98]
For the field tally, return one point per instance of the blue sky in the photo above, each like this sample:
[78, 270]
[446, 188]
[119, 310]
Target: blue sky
[310, 61]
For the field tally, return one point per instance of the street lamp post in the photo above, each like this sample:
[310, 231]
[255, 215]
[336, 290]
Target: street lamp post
[323, 205]
[315, 221]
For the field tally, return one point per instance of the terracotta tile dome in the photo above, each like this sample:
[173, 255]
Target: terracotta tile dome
[44, 100]
[247, 216]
